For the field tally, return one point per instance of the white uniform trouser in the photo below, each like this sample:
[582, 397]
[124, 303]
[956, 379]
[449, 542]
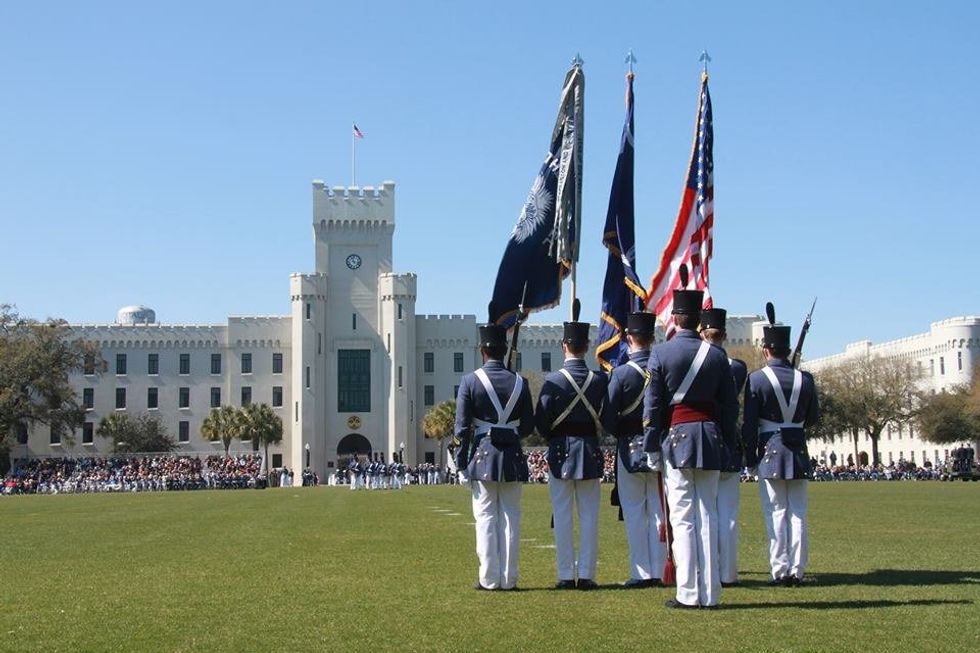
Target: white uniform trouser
[728, 499]
[497, 512]
[692, 497]
[642, 516]
[586, 497]
[784, 509]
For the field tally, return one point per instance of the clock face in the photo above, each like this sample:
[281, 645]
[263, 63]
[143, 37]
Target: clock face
[353, 261]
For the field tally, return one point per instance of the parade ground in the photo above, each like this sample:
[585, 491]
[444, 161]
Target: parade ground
[894, 567]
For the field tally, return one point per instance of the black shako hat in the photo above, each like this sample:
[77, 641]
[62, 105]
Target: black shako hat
[576, 333]
[713, 318]
[493, 335]
[686, 302]
[641, 323]
[774, 337]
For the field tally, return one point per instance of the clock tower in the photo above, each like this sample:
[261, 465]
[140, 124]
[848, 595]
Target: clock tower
[351, 319]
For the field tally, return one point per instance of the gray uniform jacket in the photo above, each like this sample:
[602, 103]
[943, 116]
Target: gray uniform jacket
[780, 453]
[735, 459]
[626, 386]
[478, 455]
[699, 444]
[573, 444]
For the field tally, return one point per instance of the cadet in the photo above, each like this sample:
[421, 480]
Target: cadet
[639, 484]
[493, 412]
[568, 416]
[780, 402]
[689, 414]
[713, 331]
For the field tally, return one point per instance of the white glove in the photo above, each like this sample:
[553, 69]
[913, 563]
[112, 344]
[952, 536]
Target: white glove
[464, 480]
[654, 466]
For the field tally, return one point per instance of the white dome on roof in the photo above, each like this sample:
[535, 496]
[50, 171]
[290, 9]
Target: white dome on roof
[136, 314]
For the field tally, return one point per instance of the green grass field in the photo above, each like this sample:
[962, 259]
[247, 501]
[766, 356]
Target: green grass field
[896, 567]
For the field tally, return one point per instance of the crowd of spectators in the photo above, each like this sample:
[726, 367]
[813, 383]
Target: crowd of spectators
[902, 471]
[134, 474]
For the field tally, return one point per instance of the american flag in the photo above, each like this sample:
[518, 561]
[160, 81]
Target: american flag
[357, 132]
[690, 243]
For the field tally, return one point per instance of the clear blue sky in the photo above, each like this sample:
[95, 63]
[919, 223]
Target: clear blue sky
[162, 153]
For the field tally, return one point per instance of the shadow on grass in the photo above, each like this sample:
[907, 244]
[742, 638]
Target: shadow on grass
[885, 578]
[856, 604]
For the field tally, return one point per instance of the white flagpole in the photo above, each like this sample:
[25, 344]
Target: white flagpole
[353, 157]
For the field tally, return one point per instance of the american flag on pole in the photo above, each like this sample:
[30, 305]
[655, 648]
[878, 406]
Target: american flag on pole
[357, 132]
[690, 243]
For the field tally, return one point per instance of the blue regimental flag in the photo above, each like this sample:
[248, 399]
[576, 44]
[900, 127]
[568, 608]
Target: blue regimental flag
[543, 246]
[621, 292]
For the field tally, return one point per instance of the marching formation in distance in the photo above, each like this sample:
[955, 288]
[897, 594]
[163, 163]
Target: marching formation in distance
[672, 406]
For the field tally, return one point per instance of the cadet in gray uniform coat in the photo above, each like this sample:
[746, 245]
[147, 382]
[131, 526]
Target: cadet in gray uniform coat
[638, 483]
[494, 411]
[713, 331]
[780, 402]
[689, 415]
[568, 416]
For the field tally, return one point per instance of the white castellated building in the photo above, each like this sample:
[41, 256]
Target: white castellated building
[352, 368]
[944, 357]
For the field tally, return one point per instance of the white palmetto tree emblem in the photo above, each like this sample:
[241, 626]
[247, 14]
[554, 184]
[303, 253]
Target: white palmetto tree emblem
[539, 203]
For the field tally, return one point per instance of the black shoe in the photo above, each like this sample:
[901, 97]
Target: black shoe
[734, 583]
[793, 581]
[710, 607]
[586, 584]
[480, 588]
[565, 585]
[777, 582]
[638, 583]
[673, 603]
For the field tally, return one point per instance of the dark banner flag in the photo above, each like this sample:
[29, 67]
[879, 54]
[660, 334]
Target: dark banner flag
[543, 246]
[621, 292]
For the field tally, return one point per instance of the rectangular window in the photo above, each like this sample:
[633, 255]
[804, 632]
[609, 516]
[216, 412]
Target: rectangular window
[307, 376]
[296, 404]
[88, 398]
[400, 314]
[88, 432]
[276, 460]
[246, 395]
[277, 363]
[430, 395]
[546, 361]
[388, 345]
[959, 361]
[458, 362]
[354, 380]
[932, 367]
[55, 436]
[22, 434]
[891, 458]
[309, 310]
[153, 364]
[942, 365]
[400, 384]
[520, 362]
[88, 367]
[428, 362]
[277, 396]
[319, 343]
[246, 363]
[455, 391]
[152, 400]
[353, 321]
[183, 431]
[215, 397]
[185, 364]
[120, 363]
[430, 457]
[120, 398]
[184, 398]
[215, 363]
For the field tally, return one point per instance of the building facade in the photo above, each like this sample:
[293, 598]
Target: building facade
[944, 357]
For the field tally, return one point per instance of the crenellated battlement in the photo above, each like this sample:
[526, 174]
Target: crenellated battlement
[358, 206]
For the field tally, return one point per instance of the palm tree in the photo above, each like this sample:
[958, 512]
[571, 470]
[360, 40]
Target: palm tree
[439, 422]
[260, 424]
[221, 424]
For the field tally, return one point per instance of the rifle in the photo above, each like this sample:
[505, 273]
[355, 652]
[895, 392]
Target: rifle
[798, 352]
[521, 316]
